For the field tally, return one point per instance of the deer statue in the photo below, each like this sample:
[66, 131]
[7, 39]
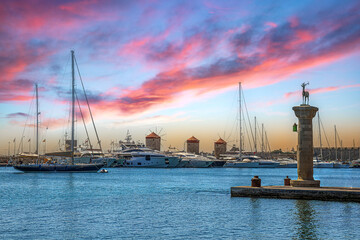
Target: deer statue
[305, 94]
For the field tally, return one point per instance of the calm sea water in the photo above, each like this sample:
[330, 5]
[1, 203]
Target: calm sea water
[169, 204]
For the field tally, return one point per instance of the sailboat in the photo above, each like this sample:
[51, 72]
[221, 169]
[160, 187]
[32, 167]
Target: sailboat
[248, 161]
[56, 167]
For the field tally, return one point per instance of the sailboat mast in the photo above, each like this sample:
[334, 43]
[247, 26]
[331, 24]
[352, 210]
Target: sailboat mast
[262, 139]
[72, 106]
[341, 153]
[240, 142]
[37, 121]
[255, 141]
[321, 153]
[335, 144]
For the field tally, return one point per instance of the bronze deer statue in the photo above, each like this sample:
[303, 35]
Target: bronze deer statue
[305, 94]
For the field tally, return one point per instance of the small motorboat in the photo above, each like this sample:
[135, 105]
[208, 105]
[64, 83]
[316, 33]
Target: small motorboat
[103, 171]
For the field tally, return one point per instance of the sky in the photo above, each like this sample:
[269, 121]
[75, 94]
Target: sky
[174, 67]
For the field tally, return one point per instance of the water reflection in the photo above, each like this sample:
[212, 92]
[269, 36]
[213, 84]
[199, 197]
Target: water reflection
[68, 214]
[306, 220]
[255, 217]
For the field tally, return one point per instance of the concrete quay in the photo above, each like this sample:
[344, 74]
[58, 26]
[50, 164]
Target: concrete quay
[347, 194]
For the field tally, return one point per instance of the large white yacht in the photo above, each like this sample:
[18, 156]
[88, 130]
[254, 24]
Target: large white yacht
[287, 163]
[147, 158]
[94, 156]
[190, 160]
[252, 162]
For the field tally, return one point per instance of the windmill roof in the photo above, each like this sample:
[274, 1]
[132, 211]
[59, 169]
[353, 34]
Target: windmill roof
[152, 135]
[220, 141]
[193, 139]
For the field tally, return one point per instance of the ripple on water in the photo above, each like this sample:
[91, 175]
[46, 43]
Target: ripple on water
[168, 204]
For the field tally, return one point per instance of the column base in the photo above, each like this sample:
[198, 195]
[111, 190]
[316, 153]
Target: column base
[305, 183]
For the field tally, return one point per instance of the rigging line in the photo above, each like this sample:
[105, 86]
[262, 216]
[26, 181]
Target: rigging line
[234, 125]
[327, 141]
[267, 141]
[247, 113]
[62, 76]
[322, 126]
[68, 125]
[337, 133]
[27, 118]
[248, 136]
[92, 119]
[228, 117]
[319, 128]
[82, 116]
[258, 132]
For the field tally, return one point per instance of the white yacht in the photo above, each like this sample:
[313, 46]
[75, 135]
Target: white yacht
[94, 156]
[190, 160]
[318, 163]
[147, 158]
[252, 162]
[287, 163]
[355, 164]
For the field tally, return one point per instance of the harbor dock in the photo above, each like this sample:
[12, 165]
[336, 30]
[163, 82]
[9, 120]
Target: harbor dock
[308, 193]
[305, 186]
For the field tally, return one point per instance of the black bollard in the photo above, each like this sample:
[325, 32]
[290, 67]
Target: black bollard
[287, 181]
[256, 181]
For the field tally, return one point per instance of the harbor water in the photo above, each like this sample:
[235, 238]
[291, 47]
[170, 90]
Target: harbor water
[180, 203]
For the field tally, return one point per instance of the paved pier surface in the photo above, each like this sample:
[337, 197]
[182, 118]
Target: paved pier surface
[309, 193]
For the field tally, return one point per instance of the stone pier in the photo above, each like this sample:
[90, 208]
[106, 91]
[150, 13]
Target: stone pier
[305, 113]
[305, 187]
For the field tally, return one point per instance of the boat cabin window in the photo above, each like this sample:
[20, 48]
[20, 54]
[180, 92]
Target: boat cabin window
[147, 157]
[139, 163]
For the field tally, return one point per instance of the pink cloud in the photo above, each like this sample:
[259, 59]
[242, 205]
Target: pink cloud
[187, 58]
[271, 24]
[294, 21]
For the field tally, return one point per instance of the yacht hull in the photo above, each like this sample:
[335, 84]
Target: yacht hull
[152, 162]
[59, 168]
[194, 163]
[252, 165]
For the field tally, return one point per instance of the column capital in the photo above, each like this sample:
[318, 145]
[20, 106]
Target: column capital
[305, 111]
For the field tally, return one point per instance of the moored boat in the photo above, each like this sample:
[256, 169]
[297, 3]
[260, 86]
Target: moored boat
[54, 165]
[147, 158]
[59, 167]
[252, 162]
[190, 160]
[355, 164]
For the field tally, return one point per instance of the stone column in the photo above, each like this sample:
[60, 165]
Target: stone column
[305, 114]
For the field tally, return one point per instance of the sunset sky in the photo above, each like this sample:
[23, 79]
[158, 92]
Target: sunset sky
[174, 67]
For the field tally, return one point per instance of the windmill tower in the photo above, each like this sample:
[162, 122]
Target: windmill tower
[193, 145]
[153, 141]
[219, 147]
